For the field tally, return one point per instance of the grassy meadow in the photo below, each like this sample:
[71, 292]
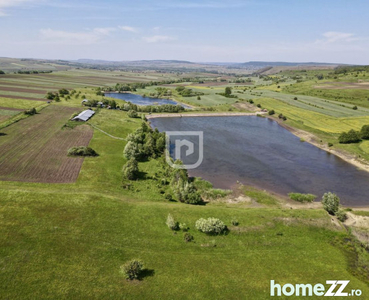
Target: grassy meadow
[68, 241]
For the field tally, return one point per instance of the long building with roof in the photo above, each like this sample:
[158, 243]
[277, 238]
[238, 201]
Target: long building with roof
[84, 116]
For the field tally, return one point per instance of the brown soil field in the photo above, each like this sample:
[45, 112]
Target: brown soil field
[25, 98]
[21, 90]
[35, 149]
[10, 108]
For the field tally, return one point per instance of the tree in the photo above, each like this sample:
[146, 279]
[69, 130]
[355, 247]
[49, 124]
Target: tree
[132, 114]
[131, 150]
[271, 112]
[210, 226]
[349, 137]
[173, 225]
[364, 132]
[130, 169]
[132, 269]
[228, 91]
[2, 72]
[330, 202]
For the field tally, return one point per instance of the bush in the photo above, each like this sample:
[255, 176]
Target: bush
[330, 145]
[235, 222]
[258, 105]
[132, 269]
[131, 150]
[183, 227]
[173, 225]
[30, 112]
[271, 112]
[188, 237]
[330, 202]
[341, 215]
[132, 114]
[210, 226]
[302, 197]
[130, 169]
[349, 137]
[295, 98]
[82, 151]
[364, 132]
[354, 108]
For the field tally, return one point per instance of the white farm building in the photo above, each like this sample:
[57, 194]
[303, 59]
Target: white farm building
[84, 116]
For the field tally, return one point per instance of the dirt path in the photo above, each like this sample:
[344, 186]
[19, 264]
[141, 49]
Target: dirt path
[112, 136]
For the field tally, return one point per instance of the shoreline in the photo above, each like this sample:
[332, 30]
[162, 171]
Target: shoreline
[220, 114]
[125, 92]
[307, 136]
[313, 140]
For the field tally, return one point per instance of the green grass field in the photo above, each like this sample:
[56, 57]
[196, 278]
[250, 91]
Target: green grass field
[68, 241]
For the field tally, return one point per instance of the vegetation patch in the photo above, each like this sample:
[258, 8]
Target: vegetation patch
[82, 151]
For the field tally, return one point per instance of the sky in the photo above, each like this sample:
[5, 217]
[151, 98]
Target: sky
[334, 31]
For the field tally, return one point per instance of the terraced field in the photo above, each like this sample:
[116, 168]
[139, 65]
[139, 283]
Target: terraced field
[314, 120]
[35, 149]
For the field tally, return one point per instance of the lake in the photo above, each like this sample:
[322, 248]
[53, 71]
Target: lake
[259, 152]
[140, 100]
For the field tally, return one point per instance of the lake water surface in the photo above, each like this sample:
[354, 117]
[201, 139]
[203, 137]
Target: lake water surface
[140, 100]
[257, 151]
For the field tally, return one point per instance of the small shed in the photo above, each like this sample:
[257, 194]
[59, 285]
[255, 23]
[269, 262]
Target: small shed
[84, 116]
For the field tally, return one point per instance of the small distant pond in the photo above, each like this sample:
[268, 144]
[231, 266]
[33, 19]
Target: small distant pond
[140, 100]
[259, 152]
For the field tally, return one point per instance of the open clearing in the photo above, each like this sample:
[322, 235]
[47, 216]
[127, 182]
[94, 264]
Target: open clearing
[35, 149]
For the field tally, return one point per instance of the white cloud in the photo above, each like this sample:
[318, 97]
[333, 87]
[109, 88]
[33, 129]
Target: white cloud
[75, 38]
[338, 37]
[4, 4]
[158, 38]
[104, 31]
[128, 28]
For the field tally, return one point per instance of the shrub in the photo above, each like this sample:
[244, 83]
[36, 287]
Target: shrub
[355, 107]
[302, 197]
[235, 222]
[330, 202]
[130, 169]
[210, 226]
[258, 105]
[82, 151]
[349, 137]
[271, 112]
[295, 98]
[173, 225]
[30, 112]
[131, 150]
[188, 237]
[132, 114]
[330, 145]
[341, 215]
[132, 269]
[183, 227]
[364, 132]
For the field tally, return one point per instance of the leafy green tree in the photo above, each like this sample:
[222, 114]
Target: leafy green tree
[330, 202]
[364, 132]
[349, 137]
[131, 150]
[171, 223]
[228, 91]
[132, 114]
[130, 169]
[132, 269]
